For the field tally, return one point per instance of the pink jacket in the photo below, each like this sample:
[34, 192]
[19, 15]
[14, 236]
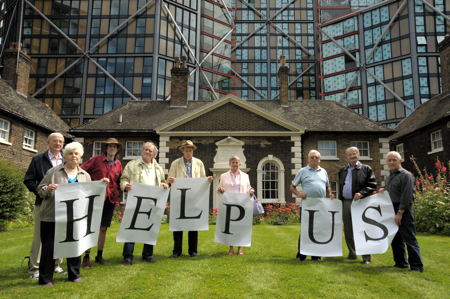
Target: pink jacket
[225, 182]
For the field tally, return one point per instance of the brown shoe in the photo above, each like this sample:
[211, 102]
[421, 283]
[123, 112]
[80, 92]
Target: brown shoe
[100, 260]
[231, 251]
[86, 263]
[241, 251]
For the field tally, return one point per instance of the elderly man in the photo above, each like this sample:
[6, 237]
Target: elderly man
[105, 166]
[186, 167]
[146, 171]
[400, 185]
[315, 184]
[34, 175]
[356, 181]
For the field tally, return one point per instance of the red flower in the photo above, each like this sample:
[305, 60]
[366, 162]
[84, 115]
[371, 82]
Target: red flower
[270, 207]
[438, 164]
[444, 169]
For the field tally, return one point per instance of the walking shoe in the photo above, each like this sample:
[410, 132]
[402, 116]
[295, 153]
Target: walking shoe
[149, 260]
[35, 275]
[100, 260]
[77, 280]
[59, 270]
[351, 256]
[127, 262]
[366, 262]
[86, 263]
[48, 284]
[417, 269]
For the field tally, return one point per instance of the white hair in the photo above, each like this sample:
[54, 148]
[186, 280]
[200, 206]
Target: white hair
[150, 143]
[396, 154]
[352, 148]
[313, 152]
[73, 146]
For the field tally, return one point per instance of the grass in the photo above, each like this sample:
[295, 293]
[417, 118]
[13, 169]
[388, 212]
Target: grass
[267, 270]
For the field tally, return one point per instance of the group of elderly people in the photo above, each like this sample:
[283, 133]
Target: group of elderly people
[50, 169]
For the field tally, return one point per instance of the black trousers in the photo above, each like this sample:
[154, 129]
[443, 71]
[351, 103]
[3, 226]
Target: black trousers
[406, 235]
[348, 229]
[47, 263]
[178, 242]
[302, 257]
[128, 248]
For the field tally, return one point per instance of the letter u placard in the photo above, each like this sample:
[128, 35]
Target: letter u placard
[321, 227]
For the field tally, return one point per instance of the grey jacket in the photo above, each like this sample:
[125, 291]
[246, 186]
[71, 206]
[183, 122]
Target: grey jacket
[56, 175]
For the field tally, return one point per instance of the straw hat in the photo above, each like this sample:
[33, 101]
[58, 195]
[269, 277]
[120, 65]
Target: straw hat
[113, 141]
[187, 143]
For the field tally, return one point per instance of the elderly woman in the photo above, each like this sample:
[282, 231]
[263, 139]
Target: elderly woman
[235, 181]
[69, 172]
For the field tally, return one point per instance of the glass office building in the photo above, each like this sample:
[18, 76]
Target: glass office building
[382, 60]
[89, 56]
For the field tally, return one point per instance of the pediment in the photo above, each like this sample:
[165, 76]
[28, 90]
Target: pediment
[229, 116]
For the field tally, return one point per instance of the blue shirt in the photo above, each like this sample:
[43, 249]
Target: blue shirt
[347, 190]
[188, 165]
[314, 182]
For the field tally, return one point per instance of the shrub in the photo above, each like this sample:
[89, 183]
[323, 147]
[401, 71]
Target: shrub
[13, 194]
[432, 204]
[279, 214]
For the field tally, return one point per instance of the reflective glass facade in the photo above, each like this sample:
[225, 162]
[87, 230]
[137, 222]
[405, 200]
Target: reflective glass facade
[396, 47]
[91, 56]
[265, 30]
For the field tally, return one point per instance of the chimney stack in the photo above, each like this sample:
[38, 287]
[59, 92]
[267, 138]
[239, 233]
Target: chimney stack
[16, 75]
[283, 79]
[179, 84]
[444, 49]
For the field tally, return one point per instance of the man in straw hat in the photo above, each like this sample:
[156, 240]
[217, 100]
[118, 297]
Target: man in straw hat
[186, 167]
[107, 166]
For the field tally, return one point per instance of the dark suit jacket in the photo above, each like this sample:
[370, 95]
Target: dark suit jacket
[363, 180]
[35, 173]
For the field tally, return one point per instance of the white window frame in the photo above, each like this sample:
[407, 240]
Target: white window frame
[96, 148]
[400, 148]
[361, 156]
[5, 131]
[127, 154]
[29, 140]
[325, 157]
[436, 142]
[259, 171]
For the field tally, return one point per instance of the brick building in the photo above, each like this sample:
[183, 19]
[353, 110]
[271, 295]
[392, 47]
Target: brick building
[25, 122]
[272, 138]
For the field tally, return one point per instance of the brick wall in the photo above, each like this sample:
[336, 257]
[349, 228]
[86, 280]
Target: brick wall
[343, 141]
[418, 144]
[15, 153]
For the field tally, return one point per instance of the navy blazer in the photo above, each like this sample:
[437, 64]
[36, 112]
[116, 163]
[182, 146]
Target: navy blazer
[36, 171]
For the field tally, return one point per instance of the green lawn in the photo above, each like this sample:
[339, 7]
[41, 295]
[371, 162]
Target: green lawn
[267, 270]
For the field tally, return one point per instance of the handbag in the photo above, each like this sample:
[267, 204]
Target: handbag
[258, 208]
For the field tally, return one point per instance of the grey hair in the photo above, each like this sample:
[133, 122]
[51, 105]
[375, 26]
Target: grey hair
[396, 154]
[352, 148]
[54, 134]
[150, 143]
[313, 152]
[234, 157]
[73, 146]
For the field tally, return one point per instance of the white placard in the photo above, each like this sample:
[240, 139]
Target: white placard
[234, 220]
[189, 204]
[321, 232]
[78, 213]
[143, 214]
[373, 223]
